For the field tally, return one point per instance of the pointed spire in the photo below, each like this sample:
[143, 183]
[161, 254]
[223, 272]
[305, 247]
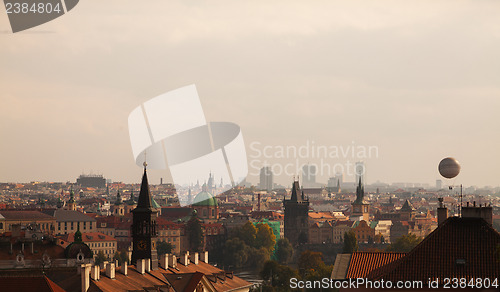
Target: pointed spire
[144, 200]
[295, 191]
[360, 192]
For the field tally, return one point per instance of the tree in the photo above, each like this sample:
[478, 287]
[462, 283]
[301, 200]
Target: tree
[100, 258]
[278, 275]
[309, 260]
[163, 247]
[284, 250]
[247, 233]
[257, 257]
[195, 234]
[405, 243]
[121, 257]
[235, 252]
[265, 237]
[350, 242]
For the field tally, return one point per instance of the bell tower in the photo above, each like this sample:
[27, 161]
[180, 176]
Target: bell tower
[144, 226]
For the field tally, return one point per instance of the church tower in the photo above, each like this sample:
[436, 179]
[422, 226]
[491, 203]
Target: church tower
[144, 226]
[296, 216]
[119, 208]
[71, 202]
[360, 207]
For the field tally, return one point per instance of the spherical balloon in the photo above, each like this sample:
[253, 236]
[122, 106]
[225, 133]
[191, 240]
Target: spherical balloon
[449, 167]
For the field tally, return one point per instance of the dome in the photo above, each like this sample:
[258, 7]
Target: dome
[155, 204]
[205, 199]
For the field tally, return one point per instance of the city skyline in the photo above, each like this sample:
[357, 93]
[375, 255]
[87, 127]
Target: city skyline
[418, 81]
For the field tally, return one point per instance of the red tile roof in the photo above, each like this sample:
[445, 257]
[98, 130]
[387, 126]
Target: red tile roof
[88, 237]
[25, 215]
[460, 248]
[363, 263]
[36, 283]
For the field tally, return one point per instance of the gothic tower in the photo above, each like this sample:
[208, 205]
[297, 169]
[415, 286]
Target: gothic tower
[296, 216]
[360, 207]
[144, 226]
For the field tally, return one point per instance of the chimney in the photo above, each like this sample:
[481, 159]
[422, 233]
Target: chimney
[141, 266]
[485, 212]
[110, 270]
[442, 212]
[194, 258]
[85, 268]
[124, 269]
[96, 273]
[172, 261]
[164, 261]
[148, 265]
[204, 256]
[185, 259]
[103, 265]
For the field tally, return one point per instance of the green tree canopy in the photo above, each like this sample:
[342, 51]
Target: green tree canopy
[121, 257]
[235, 252]
[100, 257]
[405, 243]
[247, 233]
[277, 275]
[257, 257]
[265, 237]
[284, 250]
[163, 247]
[350, 242]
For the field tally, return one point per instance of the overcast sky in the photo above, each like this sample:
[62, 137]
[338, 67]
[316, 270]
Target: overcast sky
[419, 80]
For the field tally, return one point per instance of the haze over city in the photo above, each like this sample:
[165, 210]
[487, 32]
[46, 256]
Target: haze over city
[416, 80]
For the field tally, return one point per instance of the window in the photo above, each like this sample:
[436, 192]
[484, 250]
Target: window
[1, 225]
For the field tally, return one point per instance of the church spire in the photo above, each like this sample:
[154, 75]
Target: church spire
[360, 192]
[144, 201]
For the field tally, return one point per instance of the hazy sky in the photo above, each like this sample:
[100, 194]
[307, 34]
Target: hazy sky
[418, 80]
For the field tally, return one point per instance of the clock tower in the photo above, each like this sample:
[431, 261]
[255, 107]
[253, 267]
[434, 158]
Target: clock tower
[144, 226]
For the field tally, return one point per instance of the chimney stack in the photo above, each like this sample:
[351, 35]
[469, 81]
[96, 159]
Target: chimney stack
[148, 265]
[442, 212]
[172, 261]
[194, 258]
[141, 266]
[204, 256]
[96, 273]
[164, 261]
[124, 269]
[110, 270]
[85, 268]
[103, 265]
[185, 259]
[485, 212]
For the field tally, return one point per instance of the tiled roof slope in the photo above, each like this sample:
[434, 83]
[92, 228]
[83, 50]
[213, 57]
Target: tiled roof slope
[459, 248]
[36, 283]
[25, 215]
[362, 263]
